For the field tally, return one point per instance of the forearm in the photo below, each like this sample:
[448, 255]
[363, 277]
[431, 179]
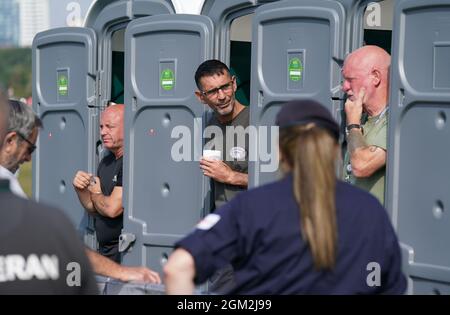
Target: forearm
[85, 199]
[365, 159]
[102, 265]
[355, 140]
[365, 162]
[238, 179]
[104, 205]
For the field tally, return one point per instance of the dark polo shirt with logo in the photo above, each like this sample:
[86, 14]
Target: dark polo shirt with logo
[233, 143]
[108, 229]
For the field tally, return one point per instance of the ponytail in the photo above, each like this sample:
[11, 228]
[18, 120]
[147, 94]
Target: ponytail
[310, 152]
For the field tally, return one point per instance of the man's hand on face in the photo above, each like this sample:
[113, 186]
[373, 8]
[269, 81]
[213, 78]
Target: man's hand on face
[81, 180]
[354, 109]
[216, 169]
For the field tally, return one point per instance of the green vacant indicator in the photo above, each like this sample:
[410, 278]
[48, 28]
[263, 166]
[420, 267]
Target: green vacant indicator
[295, 69]
[62, 85]
[167, 79]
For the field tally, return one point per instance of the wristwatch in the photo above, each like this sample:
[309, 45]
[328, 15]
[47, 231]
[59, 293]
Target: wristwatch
[353, 126]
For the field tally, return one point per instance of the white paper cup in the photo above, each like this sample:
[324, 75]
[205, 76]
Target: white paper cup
[212, 155]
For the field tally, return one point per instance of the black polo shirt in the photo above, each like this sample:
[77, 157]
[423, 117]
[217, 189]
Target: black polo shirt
[107, 229]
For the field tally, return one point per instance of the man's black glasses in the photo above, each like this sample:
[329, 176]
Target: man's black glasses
[31, 146]
[214, 92]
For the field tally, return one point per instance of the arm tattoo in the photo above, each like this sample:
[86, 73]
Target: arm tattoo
[355, 140]
[373, 148]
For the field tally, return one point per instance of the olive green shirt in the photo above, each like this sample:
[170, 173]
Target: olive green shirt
[375, 133]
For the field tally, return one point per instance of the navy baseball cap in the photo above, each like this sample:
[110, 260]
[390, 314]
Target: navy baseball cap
[303, 112]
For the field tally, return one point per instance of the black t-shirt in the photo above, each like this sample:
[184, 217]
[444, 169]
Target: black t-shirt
[109, 229]
[259, 233]
[37, 246]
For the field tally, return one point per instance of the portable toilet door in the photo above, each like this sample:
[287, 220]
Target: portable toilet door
[166, 197]
[109, 19]
[239, 34]
[64, 96]
[418, 155]
[296, 49]
[75, 73]
[235, 45]
[165, 192]
[233, 38]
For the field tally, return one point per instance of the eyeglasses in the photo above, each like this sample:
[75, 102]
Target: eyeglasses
[31, 146]
[214, 92]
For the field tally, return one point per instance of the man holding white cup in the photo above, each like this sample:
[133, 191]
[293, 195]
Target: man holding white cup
[225, 158]
[225, 155]
[214, 155]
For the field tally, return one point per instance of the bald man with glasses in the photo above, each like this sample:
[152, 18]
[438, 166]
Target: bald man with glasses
[19, 143]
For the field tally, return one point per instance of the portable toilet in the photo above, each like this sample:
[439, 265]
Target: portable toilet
[164, 197]
[418, 176]
[76, 71]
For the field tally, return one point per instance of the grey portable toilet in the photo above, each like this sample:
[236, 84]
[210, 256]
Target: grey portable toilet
[72, 81]
[369, 23]
[418, 194]
[238, 42]
[164, 191]
[158, 211]
[232, 21]
[296, 49]
[164, 198]
[166, 195]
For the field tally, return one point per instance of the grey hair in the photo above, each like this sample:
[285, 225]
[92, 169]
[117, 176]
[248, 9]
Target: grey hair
[22, 119]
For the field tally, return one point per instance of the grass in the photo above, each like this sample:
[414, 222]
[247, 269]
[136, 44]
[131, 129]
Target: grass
[25, 178]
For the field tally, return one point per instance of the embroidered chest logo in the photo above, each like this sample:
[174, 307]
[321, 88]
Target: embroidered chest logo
[114, 178]
[237, 153]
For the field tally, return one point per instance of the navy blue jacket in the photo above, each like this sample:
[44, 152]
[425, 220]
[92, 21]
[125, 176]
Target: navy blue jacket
[258, 232]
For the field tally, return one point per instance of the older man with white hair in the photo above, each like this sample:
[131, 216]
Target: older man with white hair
[19, 143]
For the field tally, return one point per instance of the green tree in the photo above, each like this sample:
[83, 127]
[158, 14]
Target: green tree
[15, 70]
